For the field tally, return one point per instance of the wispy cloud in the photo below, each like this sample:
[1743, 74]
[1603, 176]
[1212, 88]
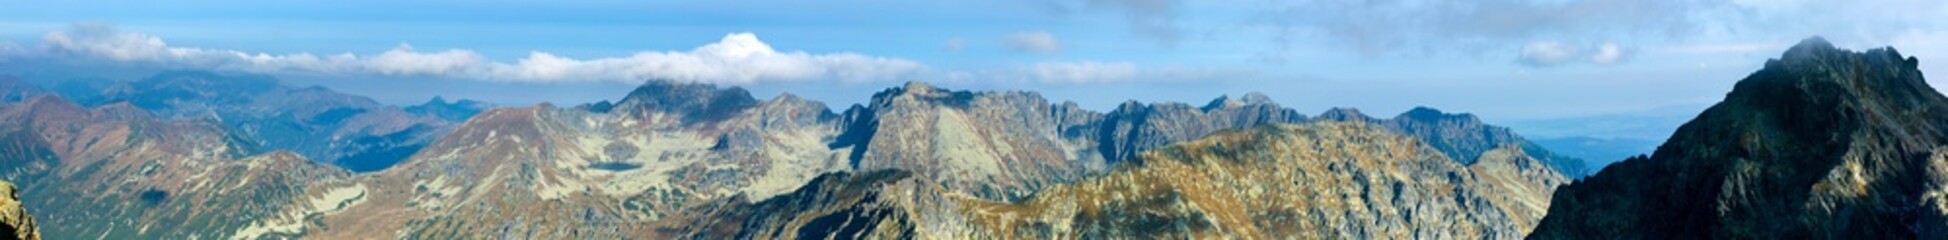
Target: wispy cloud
[1033, 42]
[1550, 54]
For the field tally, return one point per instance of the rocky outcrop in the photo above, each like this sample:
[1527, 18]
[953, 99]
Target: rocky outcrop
[15, 223]
[1820, 143]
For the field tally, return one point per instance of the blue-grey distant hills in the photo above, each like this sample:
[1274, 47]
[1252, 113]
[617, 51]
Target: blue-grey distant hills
[1607, 138]
[267, 115]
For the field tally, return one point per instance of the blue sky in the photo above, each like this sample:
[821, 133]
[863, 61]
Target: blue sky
[1502, 59]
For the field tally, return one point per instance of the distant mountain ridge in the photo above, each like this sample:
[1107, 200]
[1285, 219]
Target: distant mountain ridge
[1461, 136]
[347, 130]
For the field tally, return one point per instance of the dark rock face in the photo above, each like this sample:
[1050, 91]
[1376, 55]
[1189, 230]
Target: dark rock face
[1821, 143]
[833, 206]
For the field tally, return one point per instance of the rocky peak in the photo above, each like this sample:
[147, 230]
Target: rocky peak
[694, 102]
[1344, 115]
[921, 93]
[918, 87]
[1249, 99]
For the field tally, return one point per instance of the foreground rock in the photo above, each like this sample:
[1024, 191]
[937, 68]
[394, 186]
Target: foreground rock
[1821, 143]
[15, 223]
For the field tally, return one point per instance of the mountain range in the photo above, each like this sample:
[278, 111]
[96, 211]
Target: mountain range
[151, 157]
[1821, 142]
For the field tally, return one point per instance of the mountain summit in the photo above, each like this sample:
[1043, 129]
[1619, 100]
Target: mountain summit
[1822, 143]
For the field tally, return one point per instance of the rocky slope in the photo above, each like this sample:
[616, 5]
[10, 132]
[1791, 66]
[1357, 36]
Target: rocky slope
[1329, 180]
[116, 171]
[1820, 143]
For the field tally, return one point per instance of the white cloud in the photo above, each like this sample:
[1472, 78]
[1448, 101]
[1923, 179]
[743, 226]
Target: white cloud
[739, 58]
[1034, 42]
[1552, 53]
[403, 60]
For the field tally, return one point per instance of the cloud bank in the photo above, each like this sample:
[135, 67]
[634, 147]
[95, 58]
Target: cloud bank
[738, 58]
